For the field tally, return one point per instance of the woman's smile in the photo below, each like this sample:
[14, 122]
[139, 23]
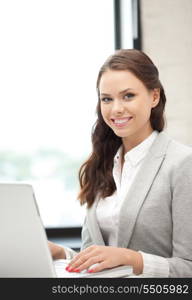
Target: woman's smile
[121, 122]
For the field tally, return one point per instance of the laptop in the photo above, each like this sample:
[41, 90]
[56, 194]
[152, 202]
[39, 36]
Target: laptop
[24, 250]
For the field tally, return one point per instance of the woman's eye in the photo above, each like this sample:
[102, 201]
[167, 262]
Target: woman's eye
[106, 100]
[129, 96]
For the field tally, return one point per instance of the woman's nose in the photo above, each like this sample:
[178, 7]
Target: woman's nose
[117, 106]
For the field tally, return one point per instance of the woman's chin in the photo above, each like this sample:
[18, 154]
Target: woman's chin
[121, 133]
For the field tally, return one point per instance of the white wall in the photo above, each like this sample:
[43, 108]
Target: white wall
[167, 39]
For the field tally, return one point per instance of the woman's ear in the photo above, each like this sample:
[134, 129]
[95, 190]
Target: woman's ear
[155, 97]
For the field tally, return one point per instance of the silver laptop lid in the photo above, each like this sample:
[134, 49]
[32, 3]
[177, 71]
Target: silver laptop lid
[24, 250]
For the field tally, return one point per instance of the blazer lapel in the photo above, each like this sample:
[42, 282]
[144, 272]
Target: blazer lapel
[138, 191]
[93, 225]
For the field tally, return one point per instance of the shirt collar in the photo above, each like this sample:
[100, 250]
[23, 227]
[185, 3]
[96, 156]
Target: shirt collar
[135, 155]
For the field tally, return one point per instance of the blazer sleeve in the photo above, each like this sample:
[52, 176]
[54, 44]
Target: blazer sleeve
[85, 236]
[86, 242]
[180, 264]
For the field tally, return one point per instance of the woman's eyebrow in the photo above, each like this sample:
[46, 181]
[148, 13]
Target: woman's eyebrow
[121, 92]
[124, 91]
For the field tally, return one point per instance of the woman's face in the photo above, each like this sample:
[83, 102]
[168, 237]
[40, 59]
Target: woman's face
[126, 106]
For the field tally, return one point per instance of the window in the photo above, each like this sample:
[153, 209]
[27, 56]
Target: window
[50, 54]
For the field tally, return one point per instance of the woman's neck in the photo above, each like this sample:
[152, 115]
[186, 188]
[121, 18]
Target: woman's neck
[132, 141]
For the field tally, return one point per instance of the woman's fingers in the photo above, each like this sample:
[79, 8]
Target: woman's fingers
[98, 267]
[82, 257]
[88, 263]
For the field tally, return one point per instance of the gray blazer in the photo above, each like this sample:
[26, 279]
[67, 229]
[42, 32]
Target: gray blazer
[156, 215]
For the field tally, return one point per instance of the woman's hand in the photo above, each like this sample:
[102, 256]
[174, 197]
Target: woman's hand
[106, 257]
[57, 251]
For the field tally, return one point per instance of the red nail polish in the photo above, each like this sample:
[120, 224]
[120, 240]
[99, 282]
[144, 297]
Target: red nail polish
[71, 269]
[76, 270]
[91, 271]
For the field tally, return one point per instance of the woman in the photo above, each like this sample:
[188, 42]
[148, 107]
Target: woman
[137, 183]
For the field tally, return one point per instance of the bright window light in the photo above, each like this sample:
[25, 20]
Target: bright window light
[50, 55]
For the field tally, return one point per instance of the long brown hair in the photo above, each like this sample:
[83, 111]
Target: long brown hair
[95, 175]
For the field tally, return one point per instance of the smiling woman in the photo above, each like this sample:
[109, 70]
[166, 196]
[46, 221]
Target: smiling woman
[125, 69]
[137, 182]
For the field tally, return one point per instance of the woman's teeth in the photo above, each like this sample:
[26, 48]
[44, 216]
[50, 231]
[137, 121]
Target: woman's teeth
[121, 121]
